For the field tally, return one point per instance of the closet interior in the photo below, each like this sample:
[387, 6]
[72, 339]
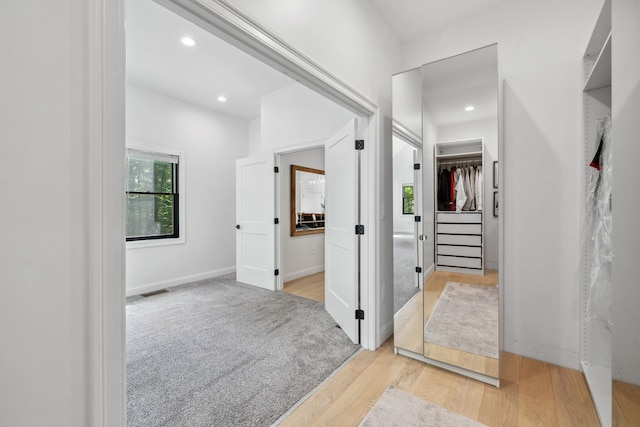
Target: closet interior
[460, 202]
[595, 295]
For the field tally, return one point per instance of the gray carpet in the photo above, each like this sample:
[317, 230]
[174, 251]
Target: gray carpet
[466, 318]
[404, 270]
[220, 353]
[395, 408]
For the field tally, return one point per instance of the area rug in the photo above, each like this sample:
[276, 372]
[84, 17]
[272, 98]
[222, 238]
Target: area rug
[396, 408]
[220, 353]
[466, 318]
[404, 270]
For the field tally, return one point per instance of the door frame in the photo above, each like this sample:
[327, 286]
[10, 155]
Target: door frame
[105, 124]
[278, 153]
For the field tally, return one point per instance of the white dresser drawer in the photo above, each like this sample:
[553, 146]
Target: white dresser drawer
[470, 251]
[452, 261]
[460, 228]
[455, 217]
[459, 239]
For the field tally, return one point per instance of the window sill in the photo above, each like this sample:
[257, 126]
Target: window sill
[139, 244]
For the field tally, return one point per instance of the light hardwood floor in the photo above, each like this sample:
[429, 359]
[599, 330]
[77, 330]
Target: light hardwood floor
[532, 393]
[310, 287]
[409, 323]
[626, 405]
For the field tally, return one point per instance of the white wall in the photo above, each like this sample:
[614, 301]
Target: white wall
[540, 49]
[212, 143]
[254, 137]
[488, 130]
[626, 198]
[43, 268]
[296, 115]
[301, 255]
[349, 39]
[402, 174]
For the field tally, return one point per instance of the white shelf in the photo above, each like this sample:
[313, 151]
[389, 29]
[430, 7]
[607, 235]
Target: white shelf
[467, 154]
[601, 31]
[599, 380]
[600, 75]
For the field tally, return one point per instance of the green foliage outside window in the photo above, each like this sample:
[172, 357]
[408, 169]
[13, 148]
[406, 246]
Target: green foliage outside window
[151, 199]
[407, 199]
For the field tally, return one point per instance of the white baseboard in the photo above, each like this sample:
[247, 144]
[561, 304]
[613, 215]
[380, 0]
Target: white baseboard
[151, 287]
[385, 332]
[544, 353]
[292, 275]
[491, 265]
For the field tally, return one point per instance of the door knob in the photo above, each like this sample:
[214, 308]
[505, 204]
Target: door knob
[238, 226]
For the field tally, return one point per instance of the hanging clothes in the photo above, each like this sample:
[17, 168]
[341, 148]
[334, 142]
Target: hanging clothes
[479, 188]
[472, 184]
[444, 190]
[452, 186]
[461, 195]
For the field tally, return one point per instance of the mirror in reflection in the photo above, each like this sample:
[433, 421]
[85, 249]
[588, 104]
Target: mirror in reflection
[307, 200]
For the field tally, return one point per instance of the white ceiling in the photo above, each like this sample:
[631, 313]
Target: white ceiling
[412, 18]
[158, 61]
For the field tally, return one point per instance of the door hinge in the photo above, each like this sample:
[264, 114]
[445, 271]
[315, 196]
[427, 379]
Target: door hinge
[359, 144]
[416, 166]
[359, 229]
[276, 272]
[418, 269]
[359, 314]
[418, 218]
[276, 220]
[276, 169]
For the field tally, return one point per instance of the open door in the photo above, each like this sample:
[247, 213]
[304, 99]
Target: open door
[341, 241]
[255, 244]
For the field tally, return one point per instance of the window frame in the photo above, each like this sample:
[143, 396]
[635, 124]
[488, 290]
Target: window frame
[179, 236]
[404, 198]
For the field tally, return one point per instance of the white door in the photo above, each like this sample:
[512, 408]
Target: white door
[341, 243]
[255, 228]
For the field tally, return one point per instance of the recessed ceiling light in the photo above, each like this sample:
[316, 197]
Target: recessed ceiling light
[222, 99]
[469, 108]
[188, 41]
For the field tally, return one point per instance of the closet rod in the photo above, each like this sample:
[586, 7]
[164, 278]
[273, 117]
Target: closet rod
[459, 162]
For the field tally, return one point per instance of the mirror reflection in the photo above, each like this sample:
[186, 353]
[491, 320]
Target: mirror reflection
[457, 321]
[307, 200]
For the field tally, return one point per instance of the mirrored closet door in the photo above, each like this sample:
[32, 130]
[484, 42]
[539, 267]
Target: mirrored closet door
[459, 327]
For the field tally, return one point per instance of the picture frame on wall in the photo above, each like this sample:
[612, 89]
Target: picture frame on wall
[495, 174]
[495, 203]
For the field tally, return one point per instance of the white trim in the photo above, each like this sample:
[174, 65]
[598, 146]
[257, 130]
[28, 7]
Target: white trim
[106, 80]
[151, 287]
[311, 145]
[180, 152]
[234, 26]
[303, 273]
[105, 106]
[458, 370]
[404, 133]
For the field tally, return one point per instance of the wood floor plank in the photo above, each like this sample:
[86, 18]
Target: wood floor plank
[527, 396]
[626, 404]
[465, 397]
[499, 406]
[359, 398]
[573, 401]
[536, 402]
[310, 287]
[317, 403]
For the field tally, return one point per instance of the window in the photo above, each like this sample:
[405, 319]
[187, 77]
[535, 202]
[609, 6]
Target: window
[407, 199]
[152, 195]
